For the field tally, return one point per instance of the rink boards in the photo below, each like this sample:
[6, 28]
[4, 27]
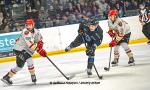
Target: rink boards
[57, 38]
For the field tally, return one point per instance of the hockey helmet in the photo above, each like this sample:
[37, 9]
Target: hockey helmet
[29, 22]
[113, 12]
[94, 21]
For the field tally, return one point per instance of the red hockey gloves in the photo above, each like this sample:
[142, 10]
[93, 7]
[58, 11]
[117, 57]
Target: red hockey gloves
[40, 44]
[111, 33]
[42, 52]
[113, 43]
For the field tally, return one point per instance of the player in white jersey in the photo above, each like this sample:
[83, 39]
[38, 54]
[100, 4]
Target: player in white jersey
[119, 31]
[29, 41]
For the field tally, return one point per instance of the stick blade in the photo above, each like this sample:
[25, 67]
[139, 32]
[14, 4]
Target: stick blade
[71, 77]
[105, 68]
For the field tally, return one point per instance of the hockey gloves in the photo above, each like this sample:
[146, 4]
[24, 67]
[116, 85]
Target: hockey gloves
[91, 50]
[111, 33]
[40, 50]
[113, 43]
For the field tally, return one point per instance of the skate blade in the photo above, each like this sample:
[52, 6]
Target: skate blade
[89, 76]
[33, 83]
[114, 65]
[4, 81]
[132, 64]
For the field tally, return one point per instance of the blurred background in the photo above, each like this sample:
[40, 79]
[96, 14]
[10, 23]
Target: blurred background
[51, 13]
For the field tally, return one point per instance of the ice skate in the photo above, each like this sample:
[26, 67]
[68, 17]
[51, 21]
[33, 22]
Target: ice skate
[115, 62]
[89, 72]
[148, 42]
[33, 78]
[67, 49]
[131, 61]
[6, 80]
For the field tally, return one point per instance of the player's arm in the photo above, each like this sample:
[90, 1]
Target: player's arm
[110, 31]
[40, 44]
[99, 38]
[120, 32]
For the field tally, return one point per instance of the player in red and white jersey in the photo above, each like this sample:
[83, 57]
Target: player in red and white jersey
[119, 31]
[29, 41]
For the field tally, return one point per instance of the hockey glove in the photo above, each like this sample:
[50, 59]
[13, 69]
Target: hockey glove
[90, 50]
[42, 52]
[111, 33]
[40, 44]
[113, 43]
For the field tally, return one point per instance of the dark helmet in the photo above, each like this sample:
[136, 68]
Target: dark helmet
[94, 21]
[83, 19]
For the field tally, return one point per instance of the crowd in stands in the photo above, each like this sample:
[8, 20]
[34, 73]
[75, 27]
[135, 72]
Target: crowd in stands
[50, 13]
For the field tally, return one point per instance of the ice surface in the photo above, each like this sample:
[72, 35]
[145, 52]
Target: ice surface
[121, 77]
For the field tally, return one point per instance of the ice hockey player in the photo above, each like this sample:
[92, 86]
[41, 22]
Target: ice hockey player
[29, 41]
[119, 31]
[144, 17]
[89, 32]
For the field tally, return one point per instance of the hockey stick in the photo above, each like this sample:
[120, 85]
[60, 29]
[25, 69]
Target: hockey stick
[108, 68]
[100, 77]
[68, 78]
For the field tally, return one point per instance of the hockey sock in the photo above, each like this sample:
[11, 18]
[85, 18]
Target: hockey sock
[11, 73]
[116, 54]
[129, 53]
[90, 62]
[31, 70]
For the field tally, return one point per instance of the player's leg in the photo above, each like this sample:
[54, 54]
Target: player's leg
[20, 63]
[148, 27]
[116, 56]
[77, 42]
[90, 52]
[146, 32]
[31, 69]
[128, 52]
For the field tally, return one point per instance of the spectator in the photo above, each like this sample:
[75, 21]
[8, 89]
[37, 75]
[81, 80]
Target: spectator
[17, 27]
[49, 22]
[4, 24]
[49, 13]
[72, 19]
[121, 7]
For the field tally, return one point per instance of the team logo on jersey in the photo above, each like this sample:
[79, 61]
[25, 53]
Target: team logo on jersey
[26, 32]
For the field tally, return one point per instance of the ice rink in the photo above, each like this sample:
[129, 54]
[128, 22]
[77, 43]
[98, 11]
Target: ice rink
[121, 77]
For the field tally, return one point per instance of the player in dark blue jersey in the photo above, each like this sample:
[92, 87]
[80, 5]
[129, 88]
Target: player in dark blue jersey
[90, 34]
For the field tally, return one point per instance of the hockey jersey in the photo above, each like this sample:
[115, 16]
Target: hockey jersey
[92, 37]
[28, 41]
[119, 26]
[144, 16]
